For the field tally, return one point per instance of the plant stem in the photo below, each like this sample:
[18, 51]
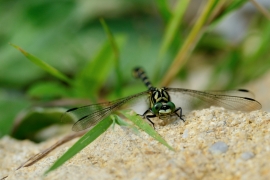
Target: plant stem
[188, 45]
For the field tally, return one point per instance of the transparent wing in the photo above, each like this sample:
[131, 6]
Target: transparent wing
[237, 92]
[234, 100]
[89, 116]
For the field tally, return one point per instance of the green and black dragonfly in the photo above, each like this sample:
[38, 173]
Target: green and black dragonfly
[163, 103]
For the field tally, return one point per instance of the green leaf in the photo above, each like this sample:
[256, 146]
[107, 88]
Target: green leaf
[48, 90]
[84, 141]
[137, 120]
[122, 122]
[10, 105]
[43, 65]
[31, 121]
[90, 80]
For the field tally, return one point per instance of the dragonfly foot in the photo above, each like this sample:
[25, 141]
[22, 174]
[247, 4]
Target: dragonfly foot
[182, 117]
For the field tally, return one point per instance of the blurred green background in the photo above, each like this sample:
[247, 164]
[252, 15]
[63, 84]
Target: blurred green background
[208, 44]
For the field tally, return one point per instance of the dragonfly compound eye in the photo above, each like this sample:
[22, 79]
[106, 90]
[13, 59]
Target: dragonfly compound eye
[171, 105]
[156, 107]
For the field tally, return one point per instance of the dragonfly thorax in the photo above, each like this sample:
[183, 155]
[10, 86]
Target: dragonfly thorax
[159, 95]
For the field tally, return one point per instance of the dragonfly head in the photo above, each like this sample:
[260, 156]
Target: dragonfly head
[163, 108]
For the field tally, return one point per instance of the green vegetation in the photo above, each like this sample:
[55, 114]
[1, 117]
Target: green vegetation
[76, 56]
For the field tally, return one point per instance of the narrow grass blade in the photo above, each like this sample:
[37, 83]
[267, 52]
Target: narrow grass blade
[89, 137]
[118, 120]
[43, 65]
[173, 25]
[188, 45]
[111, 38]
[37, 157]
[137, 120]
[116, 58]
[261, 9]
[222, 8]
[234, 5]
[164, 9]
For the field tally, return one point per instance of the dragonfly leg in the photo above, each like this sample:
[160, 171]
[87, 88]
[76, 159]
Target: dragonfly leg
[148, 116]
[180, 115]
[143, 116]
[147, 111]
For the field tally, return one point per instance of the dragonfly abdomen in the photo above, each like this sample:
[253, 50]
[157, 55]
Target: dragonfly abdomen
[140, 73]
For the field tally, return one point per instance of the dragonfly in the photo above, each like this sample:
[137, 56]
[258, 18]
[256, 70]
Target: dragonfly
[163, 103]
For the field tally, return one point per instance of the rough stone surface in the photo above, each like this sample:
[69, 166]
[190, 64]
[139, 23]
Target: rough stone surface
[121, 154]
[247, 155]
[218, 148]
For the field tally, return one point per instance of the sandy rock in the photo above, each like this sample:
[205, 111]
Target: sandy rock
[121, 154]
